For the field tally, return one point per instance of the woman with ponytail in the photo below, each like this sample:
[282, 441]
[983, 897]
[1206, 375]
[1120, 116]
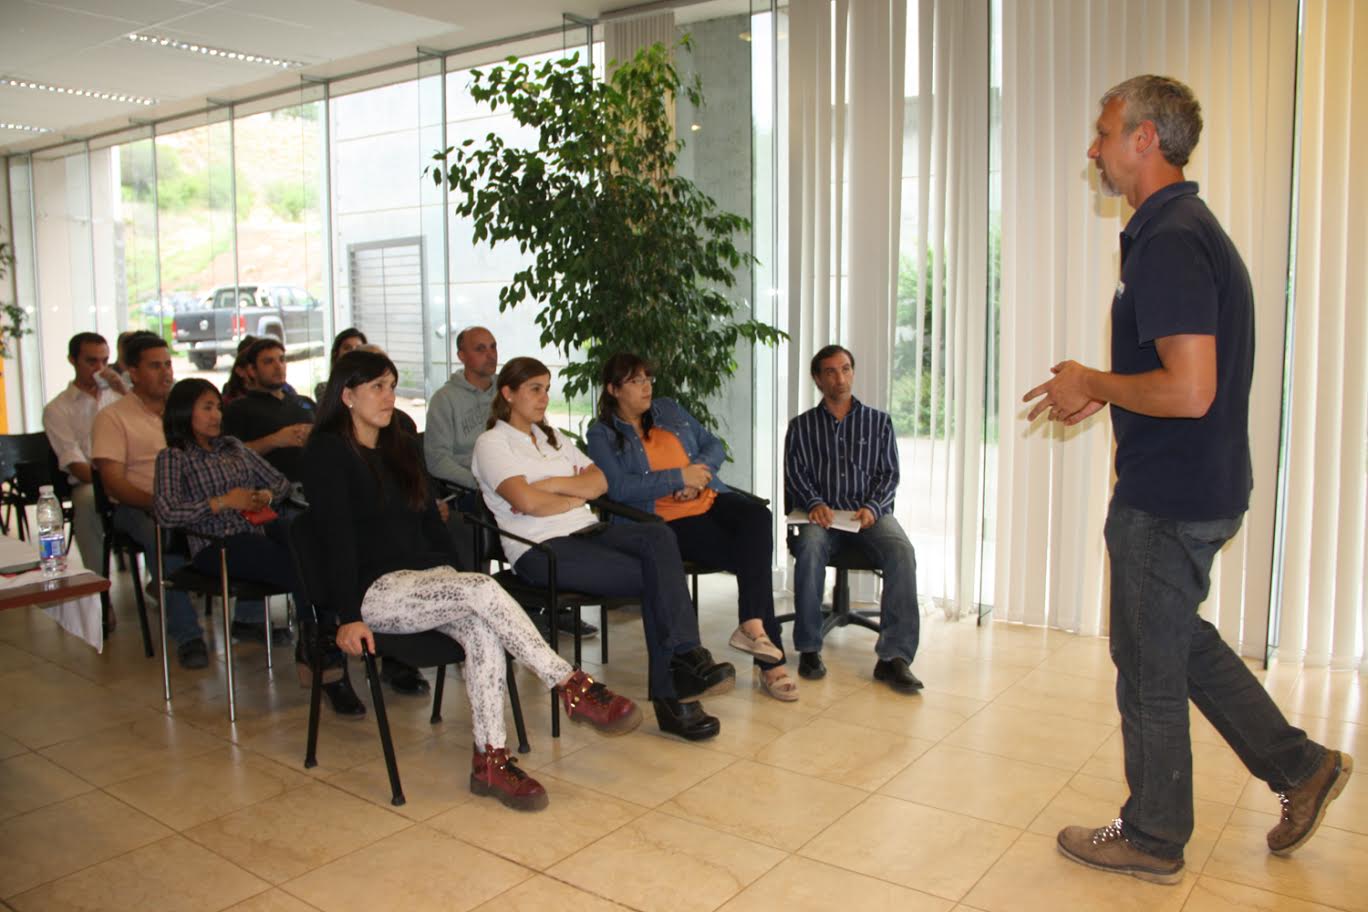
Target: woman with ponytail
[537, 487]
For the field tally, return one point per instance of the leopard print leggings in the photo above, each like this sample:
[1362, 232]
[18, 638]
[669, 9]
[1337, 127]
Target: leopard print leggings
[474, 610]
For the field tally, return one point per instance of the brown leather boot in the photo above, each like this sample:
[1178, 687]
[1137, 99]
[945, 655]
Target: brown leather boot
[1304, 806]
[586, 700]
[496, 774]
[1107, 849]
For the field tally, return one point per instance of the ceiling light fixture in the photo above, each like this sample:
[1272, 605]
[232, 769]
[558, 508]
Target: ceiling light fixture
[207, 51]
[23, 128]
[76, 93]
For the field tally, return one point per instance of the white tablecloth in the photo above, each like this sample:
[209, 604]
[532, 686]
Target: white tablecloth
[80, 616]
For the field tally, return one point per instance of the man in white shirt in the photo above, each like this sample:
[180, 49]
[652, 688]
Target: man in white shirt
[68, 420]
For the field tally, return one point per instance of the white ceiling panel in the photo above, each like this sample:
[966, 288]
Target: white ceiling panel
[143, 12]
[82, 44]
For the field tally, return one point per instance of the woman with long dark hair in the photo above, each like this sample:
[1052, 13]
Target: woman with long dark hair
[349, 339]
[206, 482]
[537, 488]
[659, 459]
[393, 570]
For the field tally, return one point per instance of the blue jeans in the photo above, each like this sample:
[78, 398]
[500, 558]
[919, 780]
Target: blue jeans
[1166, 654]
[636, 559]
[887, 548]
[182, 623]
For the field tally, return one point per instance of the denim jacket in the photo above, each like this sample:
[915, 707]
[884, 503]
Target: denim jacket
[630, 479]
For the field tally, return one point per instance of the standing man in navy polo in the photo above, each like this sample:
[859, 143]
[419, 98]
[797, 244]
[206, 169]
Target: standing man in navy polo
[1182, 365]
[842, 455]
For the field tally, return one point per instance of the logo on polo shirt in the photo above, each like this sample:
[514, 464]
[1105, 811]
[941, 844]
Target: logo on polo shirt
[1120, 289]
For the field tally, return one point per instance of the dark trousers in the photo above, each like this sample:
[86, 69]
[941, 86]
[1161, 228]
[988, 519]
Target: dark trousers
[259, 558]
[737, 535]
[1166, 654]
[629, 560]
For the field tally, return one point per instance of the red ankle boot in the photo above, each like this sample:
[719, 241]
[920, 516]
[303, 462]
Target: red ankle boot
[586, 700]
[496, 774]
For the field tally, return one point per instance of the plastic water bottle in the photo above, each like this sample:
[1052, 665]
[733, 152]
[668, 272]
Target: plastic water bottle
[51, 532]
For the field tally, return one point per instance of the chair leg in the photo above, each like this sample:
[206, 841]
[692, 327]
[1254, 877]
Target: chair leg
[603, 634]
[161, 611]
[579, 640]
[693, 592]
[141, 602]
[270, 630]
[382, 722]
[228, 636]
[315, 700]
[437, 695]
[518, 724]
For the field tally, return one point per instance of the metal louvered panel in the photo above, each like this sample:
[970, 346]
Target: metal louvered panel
[389, 301]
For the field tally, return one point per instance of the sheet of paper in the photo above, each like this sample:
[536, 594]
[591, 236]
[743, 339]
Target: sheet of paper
[844, 521]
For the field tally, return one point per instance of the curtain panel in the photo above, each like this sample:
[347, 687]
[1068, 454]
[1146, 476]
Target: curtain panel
[859, 125]
[1322, 613]
[1060, 263]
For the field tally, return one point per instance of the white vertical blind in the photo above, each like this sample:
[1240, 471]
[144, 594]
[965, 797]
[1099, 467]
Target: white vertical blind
[1322, 608]
[948, 248]
[848, 94]
[1060, 265]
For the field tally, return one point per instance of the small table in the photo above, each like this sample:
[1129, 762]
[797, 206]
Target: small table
[49, 592]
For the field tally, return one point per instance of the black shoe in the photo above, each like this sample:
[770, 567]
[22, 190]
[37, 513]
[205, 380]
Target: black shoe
[193, 654]
[249, 632]
[334, 662]
[810, 666]
[404, 679]
[344, 700]
[696, 675]
[688, 720]
[565, 623]
[898, 674]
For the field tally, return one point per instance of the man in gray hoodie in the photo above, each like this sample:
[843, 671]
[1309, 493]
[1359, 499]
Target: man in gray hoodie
[458, 411]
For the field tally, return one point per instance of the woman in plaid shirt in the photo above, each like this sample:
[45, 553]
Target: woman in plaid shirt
[205, 482]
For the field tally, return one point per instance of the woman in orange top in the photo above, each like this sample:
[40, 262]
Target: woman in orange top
[658, 458]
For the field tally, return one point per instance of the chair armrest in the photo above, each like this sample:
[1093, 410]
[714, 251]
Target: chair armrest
[753, 498]
[613, 508]
[494, 527]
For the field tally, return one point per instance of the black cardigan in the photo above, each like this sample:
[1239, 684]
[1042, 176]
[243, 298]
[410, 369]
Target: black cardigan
[367, 528]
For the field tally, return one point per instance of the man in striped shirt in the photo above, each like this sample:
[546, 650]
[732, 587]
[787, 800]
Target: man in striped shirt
[841, 455]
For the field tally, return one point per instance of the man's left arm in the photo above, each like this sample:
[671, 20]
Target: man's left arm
[883, 473]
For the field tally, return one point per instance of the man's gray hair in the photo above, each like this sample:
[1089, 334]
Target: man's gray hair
[1169, 105]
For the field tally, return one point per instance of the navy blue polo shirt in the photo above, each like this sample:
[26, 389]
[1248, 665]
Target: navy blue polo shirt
[1181, 274]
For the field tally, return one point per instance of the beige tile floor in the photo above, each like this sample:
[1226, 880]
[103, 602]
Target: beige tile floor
[853, 798]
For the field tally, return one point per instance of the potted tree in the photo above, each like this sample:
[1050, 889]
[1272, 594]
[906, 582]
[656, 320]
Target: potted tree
[626, 255]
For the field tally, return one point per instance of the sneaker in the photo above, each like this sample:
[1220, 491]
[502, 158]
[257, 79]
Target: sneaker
[586, 700]
[497, 775]
[1107, 849]
[193, 654]
[1303, 807]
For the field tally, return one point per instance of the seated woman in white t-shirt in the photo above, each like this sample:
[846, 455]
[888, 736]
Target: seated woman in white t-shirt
[537, 487]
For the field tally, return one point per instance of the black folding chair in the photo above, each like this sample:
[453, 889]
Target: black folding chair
[550, 598]
[171, 540]
[126, 546]
[428, 649]
[27, 462]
